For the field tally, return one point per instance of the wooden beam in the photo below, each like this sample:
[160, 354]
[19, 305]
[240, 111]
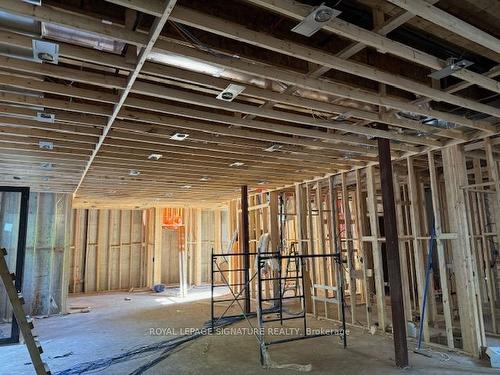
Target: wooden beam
[449, 22]
[153, 35]
[372, 39]
[153, 7]
[328, 87]
[240, 33]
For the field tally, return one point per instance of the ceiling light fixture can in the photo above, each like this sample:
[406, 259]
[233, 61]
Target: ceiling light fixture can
[155, 157]
[323, 15]
[179, 136]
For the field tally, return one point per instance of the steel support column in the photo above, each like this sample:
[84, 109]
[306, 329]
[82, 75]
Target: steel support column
[245, 245]
[392, 251]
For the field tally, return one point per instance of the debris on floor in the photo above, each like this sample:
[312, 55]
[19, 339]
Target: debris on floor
[494, 354]
[158, 288]
[63, 355]
[75, 309]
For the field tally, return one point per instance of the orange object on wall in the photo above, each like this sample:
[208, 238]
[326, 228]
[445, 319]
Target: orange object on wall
[172, 217]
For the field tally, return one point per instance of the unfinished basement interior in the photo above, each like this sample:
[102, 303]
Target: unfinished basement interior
[249, 186]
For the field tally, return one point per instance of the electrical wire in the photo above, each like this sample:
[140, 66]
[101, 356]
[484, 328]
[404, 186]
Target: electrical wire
[195, 42]
[165, 347]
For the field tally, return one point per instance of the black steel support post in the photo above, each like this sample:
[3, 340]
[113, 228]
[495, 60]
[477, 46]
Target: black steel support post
[245, 245]
[212, 279]
[392, 251]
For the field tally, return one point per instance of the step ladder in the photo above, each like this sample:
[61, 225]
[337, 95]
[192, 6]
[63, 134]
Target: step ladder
[292, 274]
[25, 323]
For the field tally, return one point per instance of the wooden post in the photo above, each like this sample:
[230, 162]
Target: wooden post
[378, 268]
[443, 274]
[245, 244]
[274, 231]
[335, 233]
[392, 247]
[158, 220]
[403, 253]
[417, 246]
[349, 247]
[361, 231]
[469, 304]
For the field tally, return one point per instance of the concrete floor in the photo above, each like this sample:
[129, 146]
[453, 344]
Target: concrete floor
[115, 325]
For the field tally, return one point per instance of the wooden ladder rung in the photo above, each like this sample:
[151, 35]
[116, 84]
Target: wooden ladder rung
[38, 346]
[25, 322]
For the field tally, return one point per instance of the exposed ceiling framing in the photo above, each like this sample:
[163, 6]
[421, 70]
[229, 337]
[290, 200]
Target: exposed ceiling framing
[132, 73]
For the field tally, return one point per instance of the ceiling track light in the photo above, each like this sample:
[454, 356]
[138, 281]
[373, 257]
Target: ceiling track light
[237, 164]
[205, 178]
[230, 92]
[186, 186]
[134, 172]
[315, 20]
[452, 65]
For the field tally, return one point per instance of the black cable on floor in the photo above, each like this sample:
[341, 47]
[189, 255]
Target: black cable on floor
[166, 346]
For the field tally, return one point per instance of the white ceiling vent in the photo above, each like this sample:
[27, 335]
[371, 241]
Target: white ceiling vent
[45, 117]
[230, 92]
[274, 147]
[47, 166]
[45, 51]
[46, 145]
[155, 157]
[315, 20]
[179, 136]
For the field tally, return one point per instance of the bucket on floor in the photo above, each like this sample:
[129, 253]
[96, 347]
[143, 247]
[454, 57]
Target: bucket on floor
[158, 288]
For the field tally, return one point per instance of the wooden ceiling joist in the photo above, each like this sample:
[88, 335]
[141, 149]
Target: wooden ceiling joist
[450, 22]
[375, 40]
[111, 111]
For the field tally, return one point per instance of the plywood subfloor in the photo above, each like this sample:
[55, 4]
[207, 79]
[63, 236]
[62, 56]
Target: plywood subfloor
[115, 325]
